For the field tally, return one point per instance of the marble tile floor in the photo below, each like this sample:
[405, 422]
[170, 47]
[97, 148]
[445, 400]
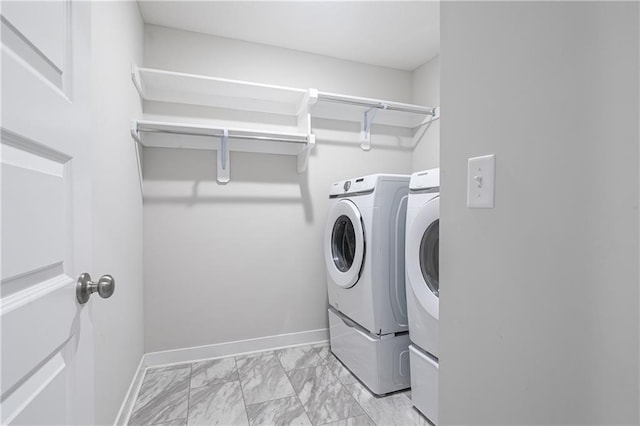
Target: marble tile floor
[300, 385]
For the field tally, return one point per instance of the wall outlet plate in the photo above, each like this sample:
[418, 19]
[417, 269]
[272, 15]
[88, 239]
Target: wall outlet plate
[481, 182]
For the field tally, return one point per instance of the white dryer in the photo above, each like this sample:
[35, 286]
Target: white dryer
[364, 255]
[422, 269]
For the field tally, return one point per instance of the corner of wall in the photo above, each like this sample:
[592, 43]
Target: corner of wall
[116, 202]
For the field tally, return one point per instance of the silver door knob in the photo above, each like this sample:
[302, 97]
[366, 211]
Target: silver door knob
[85, 287]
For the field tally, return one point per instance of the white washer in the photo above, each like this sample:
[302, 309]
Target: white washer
[364, 254]
[422, 269]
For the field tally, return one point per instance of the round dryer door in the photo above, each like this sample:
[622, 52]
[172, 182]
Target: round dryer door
[423, 256]
[344, 244]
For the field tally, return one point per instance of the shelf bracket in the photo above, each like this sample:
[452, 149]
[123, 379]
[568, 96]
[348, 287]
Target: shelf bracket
[223, 158]
[304, 126]
[138, 143]
[137, 81]
[303, 157]
[430, 119]
[367, 121]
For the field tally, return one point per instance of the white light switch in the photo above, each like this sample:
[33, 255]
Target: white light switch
[480, 181]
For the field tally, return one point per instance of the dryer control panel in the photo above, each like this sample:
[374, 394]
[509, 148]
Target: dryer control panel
[425, 180]
[363, 185]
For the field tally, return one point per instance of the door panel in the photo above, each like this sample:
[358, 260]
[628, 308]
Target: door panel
[41, 388]
[42, 38]
[38, 227]
[47, 344]
[27, 339]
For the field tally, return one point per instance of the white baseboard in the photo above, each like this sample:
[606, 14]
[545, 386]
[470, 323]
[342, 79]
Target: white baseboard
[132, 393]
[176, 356]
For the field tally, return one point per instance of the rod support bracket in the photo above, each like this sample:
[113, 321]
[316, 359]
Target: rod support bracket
[138, 145]
[303, 157]
[367, 121]
[223, 158]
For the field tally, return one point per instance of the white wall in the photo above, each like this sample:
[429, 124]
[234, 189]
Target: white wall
[116, 203]
[228, 58]
[539, 301]
[426, 91]
[244, 260]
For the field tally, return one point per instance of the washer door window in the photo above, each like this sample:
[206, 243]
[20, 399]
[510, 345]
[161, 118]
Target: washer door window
[429, 257]
[344, 244]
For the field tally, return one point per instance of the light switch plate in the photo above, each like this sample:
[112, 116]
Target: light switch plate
[481, 182]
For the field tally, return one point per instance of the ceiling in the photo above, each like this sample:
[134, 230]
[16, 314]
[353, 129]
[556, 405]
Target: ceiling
[396, 34]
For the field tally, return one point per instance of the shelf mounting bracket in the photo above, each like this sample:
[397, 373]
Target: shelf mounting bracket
[367, 121]
[138, 144]
[304, 126]
[137, 80]
[223, 158]
[303, 157]
[435, 115]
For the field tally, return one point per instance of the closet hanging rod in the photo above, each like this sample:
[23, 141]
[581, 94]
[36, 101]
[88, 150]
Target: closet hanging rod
[231, 135]
[375, 104]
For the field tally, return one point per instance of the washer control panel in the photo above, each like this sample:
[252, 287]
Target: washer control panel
[353, 186]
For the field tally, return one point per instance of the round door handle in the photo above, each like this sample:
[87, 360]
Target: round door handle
[105, 287]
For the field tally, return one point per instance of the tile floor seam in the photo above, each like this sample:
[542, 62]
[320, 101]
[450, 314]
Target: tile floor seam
[323, 363]
[366, 413]
[271, 400]
[303, 368]
[342, 384]
[244, 400]
[354, 417]
[189, 393]
[295, 392]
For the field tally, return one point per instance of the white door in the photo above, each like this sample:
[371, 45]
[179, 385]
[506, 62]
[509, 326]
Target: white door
[47, 368]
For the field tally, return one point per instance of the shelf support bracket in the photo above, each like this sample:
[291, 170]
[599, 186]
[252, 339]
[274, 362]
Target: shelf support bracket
[223, 158]
[303, 157]
[304, 126]
[367, 121]
[138, 144]
[137, 81]
[435, 115]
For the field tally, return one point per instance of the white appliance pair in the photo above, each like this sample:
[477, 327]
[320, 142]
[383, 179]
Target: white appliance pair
[371, 309]
[364, 251]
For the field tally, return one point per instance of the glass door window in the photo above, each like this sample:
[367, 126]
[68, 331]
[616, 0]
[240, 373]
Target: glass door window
[343, 243]
[430, 256]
